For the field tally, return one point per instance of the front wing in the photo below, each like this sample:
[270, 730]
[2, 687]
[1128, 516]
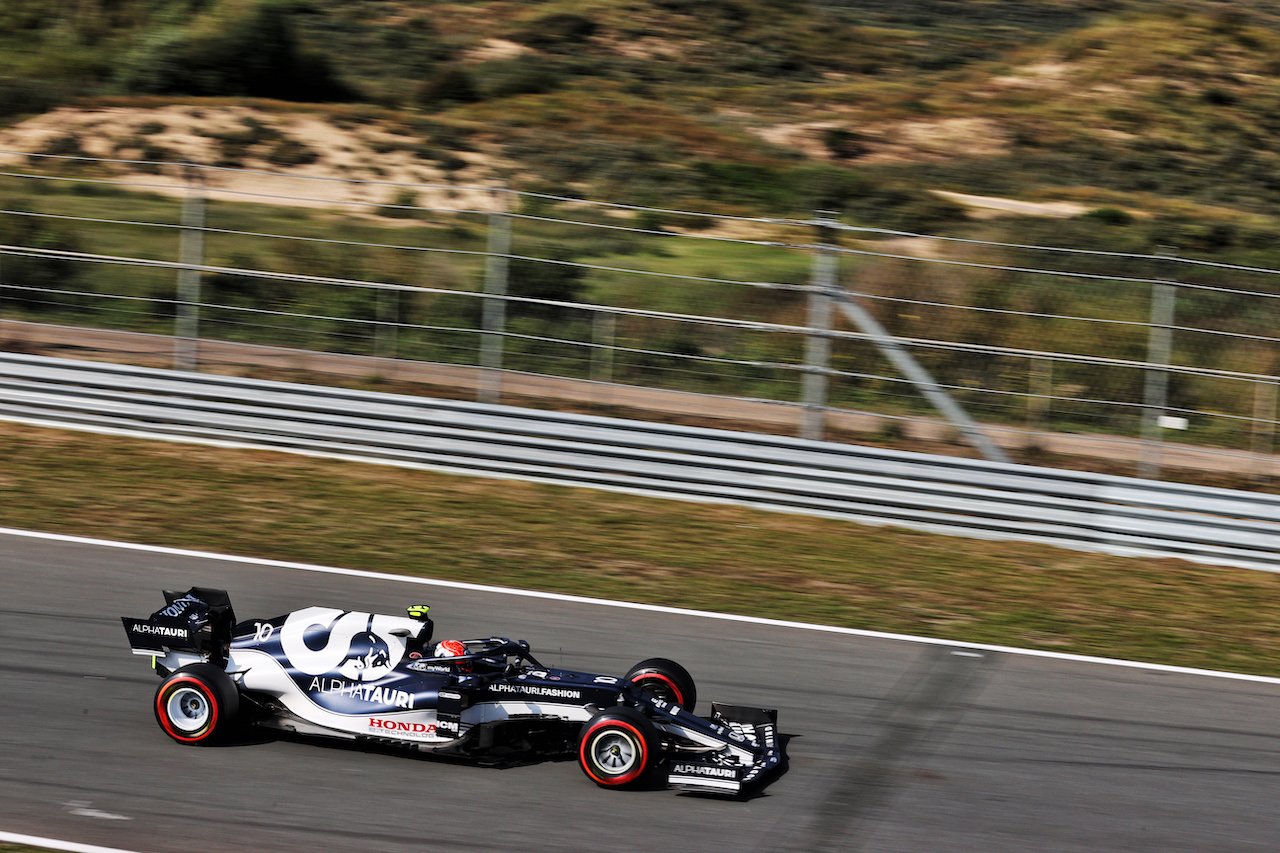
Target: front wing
[747, 741]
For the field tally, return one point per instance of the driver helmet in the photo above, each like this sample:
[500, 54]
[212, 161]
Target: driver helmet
[450, 649]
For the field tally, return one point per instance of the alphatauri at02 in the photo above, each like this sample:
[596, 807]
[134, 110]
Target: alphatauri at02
[355, 675]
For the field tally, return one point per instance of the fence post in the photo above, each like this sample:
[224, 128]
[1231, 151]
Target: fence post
[1156, 391]
[16, 327]
[386, 330]
[604, 326]
[1264, 428]
[1041, 387]
[494, 319]
[191, 255]
[817, 346]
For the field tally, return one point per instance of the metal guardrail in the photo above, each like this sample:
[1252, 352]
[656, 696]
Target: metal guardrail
[1092, 512]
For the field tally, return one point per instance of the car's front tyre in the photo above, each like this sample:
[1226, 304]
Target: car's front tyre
[664, 679]
[197, 704]
[618, 747]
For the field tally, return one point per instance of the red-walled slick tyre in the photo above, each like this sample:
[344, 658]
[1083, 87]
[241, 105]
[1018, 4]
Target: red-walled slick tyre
[197, 704]
[665, 679]
[618, 747]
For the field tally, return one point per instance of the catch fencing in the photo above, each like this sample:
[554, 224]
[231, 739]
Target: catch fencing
[976, 498]
[1017, 345]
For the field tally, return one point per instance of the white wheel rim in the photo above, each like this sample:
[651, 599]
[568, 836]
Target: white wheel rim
[187, 709]
[614, 752]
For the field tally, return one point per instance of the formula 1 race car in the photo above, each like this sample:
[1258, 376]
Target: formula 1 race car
[354, 675]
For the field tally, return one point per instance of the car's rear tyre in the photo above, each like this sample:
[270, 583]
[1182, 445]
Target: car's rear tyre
[665, 679]
[618, 747]
[197, 704]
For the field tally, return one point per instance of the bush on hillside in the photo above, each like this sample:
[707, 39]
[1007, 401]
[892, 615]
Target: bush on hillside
[844, 143]
[27, 97]
[26, 279]
[291, 152]
[562, 30]
[523, 75]
[241, 290]
[549, 279]
[1110, 215]
[246, 48]
[452, 85]
[752, 184]
[404, 205]
[62, 145]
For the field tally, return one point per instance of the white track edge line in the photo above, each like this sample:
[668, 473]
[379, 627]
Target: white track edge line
[630, 605]
[57, 844]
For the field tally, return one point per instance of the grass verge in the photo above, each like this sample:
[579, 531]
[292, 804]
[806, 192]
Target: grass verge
[585, 542]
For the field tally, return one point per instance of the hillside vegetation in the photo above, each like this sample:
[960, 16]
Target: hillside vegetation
[858, 105]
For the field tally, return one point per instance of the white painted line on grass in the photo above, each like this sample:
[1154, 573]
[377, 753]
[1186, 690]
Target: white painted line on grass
[55, 844]
[629, 605]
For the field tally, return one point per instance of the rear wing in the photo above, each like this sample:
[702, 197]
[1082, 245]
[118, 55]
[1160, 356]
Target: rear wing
[199, 620]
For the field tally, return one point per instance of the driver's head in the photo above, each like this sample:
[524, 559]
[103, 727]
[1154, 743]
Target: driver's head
[452, 649]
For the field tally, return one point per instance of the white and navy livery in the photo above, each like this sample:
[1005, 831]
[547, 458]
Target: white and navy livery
[358, 675]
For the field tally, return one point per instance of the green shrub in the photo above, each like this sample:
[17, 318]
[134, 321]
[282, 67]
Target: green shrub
[155, 156]
[1110, 215]
[440, 134]
[546, 279]
[556, 31]
[291, 152]
[23, 97]
[81, 188]
[246, 48]
[449, 161]
[744, 183]
[235, 145]
[63, 145]
[18, 15]
[844, 143]
[452, 85]
[897, 205]
[403, 205]
[22, 275]
[525, 75]
[239, 290]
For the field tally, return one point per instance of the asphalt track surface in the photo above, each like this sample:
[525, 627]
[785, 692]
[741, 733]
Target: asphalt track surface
[893, 746]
